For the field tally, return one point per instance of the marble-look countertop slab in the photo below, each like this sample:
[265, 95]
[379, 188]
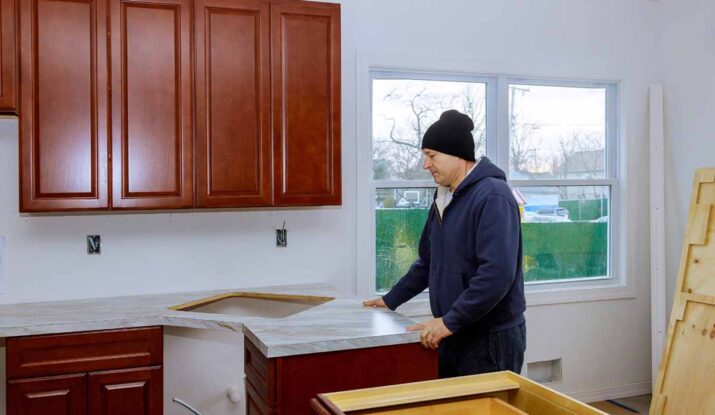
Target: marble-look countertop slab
[340, 324]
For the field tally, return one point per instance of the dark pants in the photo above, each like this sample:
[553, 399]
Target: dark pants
[470, 353]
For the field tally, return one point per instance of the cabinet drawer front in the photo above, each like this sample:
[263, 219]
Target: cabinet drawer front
[83, 352]
[260, 371]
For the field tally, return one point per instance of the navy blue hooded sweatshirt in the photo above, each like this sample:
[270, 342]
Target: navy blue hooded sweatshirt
[470, 258]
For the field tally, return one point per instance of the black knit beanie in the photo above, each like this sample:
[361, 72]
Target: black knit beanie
[451, 134]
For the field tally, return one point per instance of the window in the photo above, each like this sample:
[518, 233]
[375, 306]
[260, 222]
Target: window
[402, 110]
[559, 162]
[555, 140]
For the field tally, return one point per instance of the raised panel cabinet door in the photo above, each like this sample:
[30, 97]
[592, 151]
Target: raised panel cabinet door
[232, 103]
[8, 62]
[63, 102]
[61, 395]
[126, 392]
[152, 144]
[305, 42]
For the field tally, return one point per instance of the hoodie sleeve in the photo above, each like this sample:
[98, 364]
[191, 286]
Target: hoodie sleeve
[497, 246]
[417, 277]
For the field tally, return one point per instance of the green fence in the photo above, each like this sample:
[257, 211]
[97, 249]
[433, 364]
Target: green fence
[587, 209]
[552, 251]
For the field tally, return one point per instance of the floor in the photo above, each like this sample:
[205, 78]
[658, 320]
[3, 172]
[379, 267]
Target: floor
[625, 406]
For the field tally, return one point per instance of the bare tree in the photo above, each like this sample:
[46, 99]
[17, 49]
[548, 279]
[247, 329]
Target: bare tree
[473, 106]
[522, 147]
[401, 145]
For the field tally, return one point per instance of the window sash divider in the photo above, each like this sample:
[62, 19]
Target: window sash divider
[388, 184]
[563, 182]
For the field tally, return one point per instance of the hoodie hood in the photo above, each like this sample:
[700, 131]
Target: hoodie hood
[484, 169]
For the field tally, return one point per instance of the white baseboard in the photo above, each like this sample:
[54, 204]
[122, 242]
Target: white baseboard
[615, 392]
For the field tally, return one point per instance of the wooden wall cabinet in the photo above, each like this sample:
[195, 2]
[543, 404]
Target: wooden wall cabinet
[233, 117]
[286, 385]
[306, 103]
[63, 105]
[152, 140]
[8, 56]
[115, 372]
[239, 98]
[265, 130]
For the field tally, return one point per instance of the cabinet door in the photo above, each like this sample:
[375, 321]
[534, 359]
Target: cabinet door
[152, 147]
[232, 103]
[62, 395]
[126, 392]
[306, 103]
[8, 63]
[63, 127]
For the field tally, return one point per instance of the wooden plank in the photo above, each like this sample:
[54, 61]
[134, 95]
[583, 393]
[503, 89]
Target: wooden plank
[698, 228]
[478, 406]
[687, 371]
[416, 392]
[659, 319]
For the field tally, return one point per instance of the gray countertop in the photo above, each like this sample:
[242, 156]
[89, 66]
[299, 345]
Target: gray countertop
[340, 324]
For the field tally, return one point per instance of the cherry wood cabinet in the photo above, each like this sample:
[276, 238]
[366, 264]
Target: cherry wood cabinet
[172, 104]
[126, 392]
[113, 372]
[8, 56]
[152, 140]
[285, 385]
[63, 105]
[305, 44]
[233, 164]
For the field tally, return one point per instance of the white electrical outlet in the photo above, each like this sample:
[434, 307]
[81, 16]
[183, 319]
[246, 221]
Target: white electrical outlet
[3, 266]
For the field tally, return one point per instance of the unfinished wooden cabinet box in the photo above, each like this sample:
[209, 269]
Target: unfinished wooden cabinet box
[285, 385]
[504, 393]
[108, 372]
[687, 370]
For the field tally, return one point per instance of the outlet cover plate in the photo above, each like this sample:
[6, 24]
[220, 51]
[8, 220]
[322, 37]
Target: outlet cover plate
[94, 246]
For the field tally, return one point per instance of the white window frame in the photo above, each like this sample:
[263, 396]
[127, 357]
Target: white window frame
[619, 284]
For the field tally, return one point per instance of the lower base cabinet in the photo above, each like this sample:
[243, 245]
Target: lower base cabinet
[285, 385]
[113, 372]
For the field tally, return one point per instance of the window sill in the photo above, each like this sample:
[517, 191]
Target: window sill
[538, 295]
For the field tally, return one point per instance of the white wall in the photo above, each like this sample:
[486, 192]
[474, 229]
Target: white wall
[604, 345]
[688, 56]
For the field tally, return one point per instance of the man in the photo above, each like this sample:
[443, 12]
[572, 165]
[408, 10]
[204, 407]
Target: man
[470, 257]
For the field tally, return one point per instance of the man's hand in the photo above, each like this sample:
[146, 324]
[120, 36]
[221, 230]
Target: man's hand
[377, 302]
[431, 332]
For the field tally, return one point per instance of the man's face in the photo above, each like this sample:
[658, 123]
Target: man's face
[443, 167]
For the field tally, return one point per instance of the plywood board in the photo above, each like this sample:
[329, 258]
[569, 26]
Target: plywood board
[687, 372]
